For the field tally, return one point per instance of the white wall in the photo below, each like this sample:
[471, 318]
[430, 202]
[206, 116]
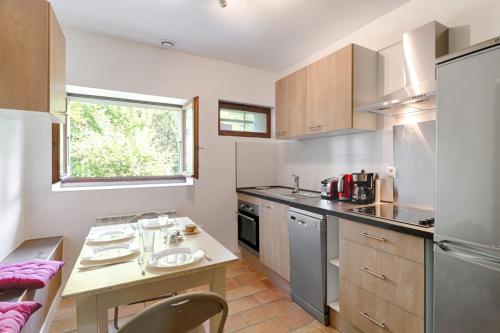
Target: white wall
[102, 62]
[11, 184]
[472, 21]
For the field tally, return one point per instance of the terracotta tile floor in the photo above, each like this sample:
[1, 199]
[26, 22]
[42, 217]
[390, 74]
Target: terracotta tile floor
[256, 305]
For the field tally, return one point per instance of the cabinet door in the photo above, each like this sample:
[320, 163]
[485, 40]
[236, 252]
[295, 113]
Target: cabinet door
[291, 105]
[266, 234]
[329, 92]
[57, 73]
[24, 62]
[274, 248]
[281, 240]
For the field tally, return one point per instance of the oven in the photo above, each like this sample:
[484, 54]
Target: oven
[248, 226]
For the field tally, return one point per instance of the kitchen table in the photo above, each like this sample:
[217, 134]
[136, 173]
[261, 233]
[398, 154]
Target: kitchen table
[99, 289]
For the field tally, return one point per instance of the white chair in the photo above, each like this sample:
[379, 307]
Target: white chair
[179, 314]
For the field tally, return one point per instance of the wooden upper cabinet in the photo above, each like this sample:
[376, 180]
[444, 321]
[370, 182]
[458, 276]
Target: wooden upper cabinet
[291, 105]
[57, 68]
[329, 92]
[334, 86]
[32, 58]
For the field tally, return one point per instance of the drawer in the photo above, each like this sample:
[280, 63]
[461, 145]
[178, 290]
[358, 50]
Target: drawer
[249, 199]
[395, 279]
[397, 243]
[373, 314]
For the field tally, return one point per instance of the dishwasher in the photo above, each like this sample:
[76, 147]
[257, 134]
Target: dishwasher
[307, 233]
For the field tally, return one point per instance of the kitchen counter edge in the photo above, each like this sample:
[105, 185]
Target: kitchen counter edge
[308, 205]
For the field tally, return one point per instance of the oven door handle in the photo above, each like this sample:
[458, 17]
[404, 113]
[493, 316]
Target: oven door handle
[245, 216]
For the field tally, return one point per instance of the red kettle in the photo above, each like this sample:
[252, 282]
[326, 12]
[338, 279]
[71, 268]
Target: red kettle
[345, 187]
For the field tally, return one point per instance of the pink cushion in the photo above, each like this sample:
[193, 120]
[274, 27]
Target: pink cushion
[32, 274]
[13, 316]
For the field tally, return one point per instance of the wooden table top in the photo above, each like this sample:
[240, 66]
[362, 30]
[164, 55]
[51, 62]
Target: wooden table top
[124, 275]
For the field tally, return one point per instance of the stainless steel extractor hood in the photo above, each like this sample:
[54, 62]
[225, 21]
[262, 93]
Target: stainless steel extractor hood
[421, 47]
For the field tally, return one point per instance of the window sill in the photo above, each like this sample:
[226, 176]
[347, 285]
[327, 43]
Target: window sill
[58, 187]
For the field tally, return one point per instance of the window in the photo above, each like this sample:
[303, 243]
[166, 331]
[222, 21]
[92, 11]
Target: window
[109, 139]
[244, 120]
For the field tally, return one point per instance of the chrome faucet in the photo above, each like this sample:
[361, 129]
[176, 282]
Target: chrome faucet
[296, 180]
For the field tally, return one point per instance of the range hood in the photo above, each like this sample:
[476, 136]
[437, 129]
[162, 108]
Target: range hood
[421, 47]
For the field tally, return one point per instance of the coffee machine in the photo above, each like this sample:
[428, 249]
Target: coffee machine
[329, 188]
[363, 187]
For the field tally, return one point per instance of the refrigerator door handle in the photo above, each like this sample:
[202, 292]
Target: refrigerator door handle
[472, 255]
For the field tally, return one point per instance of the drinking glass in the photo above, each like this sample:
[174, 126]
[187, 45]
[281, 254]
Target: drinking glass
[163, 220]
[147, 237]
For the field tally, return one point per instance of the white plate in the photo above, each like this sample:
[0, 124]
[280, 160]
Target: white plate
[110, 237]
[176, 257]
[110, 254]
[154, 224]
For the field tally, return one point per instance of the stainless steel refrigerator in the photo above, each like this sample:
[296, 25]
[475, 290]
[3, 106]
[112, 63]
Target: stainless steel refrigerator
[467, 249]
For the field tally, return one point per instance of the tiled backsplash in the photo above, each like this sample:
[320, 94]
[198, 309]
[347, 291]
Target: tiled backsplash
[316, 159]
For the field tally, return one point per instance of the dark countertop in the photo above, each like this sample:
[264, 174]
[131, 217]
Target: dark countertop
[339, 209]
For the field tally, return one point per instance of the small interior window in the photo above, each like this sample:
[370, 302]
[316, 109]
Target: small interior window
[244, 120]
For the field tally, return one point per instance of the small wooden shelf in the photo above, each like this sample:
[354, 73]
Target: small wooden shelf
[334, 261]
[334, 306]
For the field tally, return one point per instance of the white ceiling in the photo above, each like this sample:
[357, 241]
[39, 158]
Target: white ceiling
[266, 34]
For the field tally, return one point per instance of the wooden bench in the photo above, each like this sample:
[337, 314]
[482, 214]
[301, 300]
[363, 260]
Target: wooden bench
[50, 248]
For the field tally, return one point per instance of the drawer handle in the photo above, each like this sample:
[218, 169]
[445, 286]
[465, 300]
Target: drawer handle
[364, 314]
[366, 270]
[364, 234]
[315, 128]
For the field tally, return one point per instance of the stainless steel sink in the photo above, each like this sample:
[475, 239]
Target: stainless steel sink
[286, 193]
[300, 195]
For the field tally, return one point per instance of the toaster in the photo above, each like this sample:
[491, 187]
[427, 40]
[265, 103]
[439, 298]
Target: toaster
[329, 188]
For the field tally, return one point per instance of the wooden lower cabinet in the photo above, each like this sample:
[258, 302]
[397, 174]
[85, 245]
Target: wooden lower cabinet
[274, 249]
[371, 313]
[273, 235]
[399, 280]
[382, 280]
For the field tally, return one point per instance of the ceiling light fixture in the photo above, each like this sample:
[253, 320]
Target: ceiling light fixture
[222, 3]
[167, 44]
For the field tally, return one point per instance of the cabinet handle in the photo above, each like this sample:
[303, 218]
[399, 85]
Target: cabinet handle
[315, 128]
[280, 133]
[364, 314]
[245, 217]
[366, 270]
[364, 234]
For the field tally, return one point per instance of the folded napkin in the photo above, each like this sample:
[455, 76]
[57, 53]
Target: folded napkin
[13, 316]
[31, 274]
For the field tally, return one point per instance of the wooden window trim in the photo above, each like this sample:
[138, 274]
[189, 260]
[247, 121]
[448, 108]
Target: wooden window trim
[194, 103]
[56, 144]
[58, 176]
[249, 108]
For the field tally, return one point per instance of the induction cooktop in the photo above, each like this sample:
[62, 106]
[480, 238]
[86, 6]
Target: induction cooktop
[404, 214]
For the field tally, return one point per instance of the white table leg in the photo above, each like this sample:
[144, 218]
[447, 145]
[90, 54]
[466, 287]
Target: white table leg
[218, 286]
[102, 320]
[86, 314]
